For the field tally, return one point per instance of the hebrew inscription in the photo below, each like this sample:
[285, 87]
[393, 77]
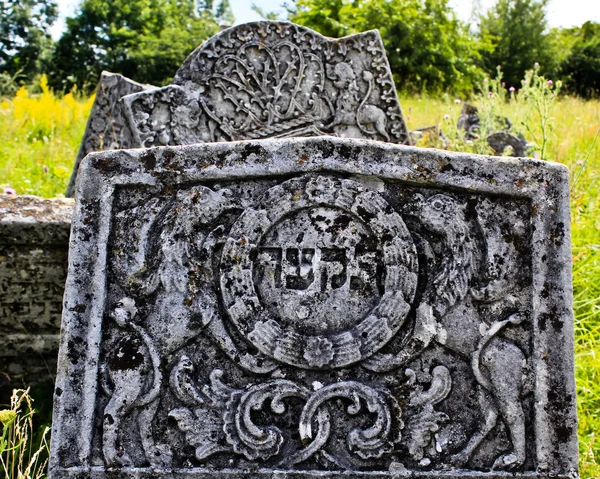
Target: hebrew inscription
[273, 80]
[313, 319]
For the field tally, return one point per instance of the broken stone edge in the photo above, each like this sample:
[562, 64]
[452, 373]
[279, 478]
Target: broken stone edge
[544, 184]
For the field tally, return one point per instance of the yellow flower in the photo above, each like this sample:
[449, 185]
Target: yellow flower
[7, 416]
[60, 171]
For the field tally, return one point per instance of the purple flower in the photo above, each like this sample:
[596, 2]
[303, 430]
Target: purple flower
[511, 89]
[536, 64]
[446, 116]
[490, 93]
[457, 101]
[550, 83]
[503, 84]
[9, 191]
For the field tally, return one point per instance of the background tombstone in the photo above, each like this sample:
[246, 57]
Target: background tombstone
[273, 80]
[107, 128]
[290, 307]
[34, 238]
[256, 80]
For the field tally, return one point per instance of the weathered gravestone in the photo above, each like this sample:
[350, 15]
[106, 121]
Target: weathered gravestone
[261, 80]
[285, 308]
[34, 234]
[107, 127]
[501, 142]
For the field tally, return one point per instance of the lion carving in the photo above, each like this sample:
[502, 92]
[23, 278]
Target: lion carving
[449, 315]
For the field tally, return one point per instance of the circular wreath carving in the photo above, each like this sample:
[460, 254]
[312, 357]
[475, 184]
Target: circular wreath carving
[319, 274]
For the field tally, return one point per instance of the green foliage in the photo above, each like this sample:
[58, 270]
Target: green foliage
[581, 68]
[25, 43]
[427, 47]
[514, 32]
[39, 139]
[146, 40]
[264, 14]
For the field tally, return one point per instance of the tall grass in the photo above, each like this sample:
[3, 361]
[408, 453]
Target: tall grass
[40, 135]
[20, 458]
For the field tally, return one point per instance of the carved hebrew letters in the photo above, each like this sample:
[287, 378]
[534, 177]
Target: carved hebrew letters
[273, 80]
[343, 316]
[317, 273]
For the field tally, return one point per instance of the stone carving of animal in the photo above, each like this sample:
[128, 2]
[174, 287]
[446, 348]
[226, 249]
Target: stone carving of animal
[449, 315]
[350, 109]
[184, 304]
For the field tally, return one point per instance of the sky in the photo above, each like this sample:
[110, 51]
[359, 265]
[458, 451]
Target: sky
[561, 13]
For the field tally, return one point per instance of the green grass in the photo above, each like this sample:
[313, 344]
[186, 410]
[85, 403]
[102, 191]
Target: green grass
[39, 139]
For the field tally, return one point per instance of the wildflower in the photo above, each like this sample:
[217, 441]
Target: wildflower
[7, 416]
[536, 64]
[9, 191]
[511, 89]
[490, 93]
[550, 83]
[60, 171]
[503, 84]
[446, 116]
[457, 101]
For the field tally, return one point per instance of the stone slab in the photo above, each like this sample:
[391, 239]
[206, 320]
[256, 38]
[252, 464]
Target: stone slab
[34, 238]
[107, 127]
[273, 80]
[312, 307]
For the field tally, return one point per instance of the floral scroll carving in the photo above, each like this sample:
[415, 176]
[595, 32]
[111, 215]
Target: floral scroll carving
[313, 323]
[222, 418]
[273, 80]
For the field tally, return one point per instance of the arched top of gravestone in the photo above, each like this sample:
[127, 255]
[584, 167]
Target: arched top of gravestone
[272, 80]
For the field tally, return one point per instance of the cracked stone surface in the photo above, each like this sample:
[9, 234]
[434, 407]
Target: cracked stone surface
[315, 307]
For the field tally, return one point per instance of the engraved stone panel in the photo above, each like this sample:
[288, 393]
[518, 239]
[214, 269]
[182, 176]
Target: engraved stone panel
[289, 308]
[273, 80]
[34, 238]
[107, 127]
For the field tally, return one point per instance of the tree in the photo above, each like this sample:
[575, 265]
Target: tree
[427, 47]
[581, 68]
[25, 42]
[515, 33]
[145, 40]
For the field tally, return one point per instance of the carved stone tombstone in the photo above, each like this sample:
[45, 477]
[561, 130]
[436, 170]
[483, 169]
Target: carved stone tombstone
[107, 128]
[34, 240]
[285, 308]
[273, 80]
[256, 80]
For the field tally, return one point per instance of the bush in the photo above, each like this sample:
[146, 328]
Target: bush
[427, 47]
[581, 69]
